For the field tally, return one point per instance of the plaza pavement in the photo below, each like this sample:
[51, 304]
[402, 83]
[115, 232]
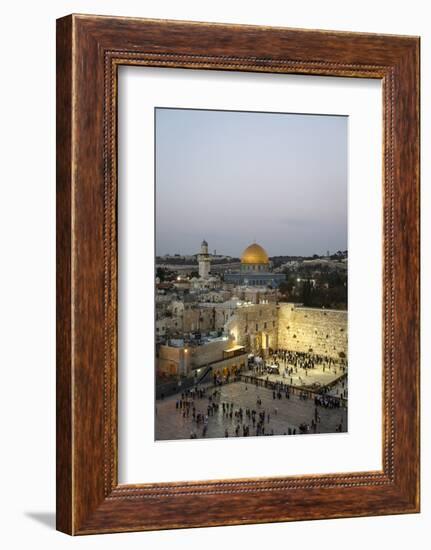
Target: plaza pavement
[303, 377]
[170, 423]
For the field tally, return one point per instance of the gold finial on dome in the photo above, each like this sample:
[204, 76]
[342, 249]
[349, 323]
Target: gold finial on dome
[254, 254]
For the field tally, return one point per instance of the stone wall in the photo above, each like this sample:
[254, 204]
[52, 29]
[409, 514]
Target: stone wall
[323, 331]
[172, 361]
[203, 355]
[192, 317]
[255, 327]
[230, 364]
[182, 360]
[198, 319]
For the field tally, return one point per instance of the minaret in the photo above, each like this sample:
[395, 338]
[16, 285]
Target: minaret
[204, 261]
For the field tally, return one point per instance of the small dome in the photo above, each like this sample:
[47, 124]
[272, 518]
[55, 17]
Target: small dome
[254, 254]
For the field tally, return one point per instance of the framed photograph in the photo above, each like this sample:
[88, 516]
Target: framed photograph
[250, 343]
[237, 274]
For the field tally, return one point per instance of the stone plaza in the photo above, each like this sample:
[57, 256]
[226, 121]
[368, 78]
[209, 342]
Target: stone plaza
[283, 415]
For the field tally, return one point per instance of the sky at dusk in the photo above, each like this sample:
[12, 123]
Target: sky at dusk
[233, 178]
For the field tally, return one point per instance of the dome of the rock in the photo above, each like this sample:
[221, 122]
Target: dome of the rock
[254, 254]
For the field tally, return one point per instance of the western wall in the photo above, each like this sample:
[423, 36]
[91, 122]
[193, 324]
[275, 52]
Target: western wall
[260, 328]
[320, 331]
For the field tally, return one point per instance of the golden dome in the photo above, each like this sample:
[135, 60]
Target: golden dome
[254, 254]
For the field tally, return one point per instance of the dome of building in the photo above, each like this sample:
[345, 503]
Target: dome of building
[254, 254]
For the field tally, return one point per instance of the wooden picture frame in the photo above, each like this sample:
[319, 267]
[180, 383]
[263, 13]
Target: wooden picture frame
[89, 51]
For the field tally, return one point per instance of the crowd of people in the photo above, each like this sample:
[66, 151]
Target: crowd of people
[288, 363]
[326, 399]
[294, 368]
[299, 359]
[200, 404]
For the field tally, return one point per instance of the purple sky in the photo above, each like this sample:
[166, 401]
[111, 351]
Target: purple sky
[237, 177]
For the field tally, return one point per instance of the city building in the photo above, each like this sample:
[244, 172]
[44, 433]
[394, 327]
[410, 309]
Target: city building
[251, 328]
[220, 354]
[216, 320]
[255, 269]
[204, 260]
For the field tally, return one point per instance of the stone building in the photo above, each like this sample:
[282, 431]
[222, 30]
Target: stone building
[167, 326]
[189, 315]
[257, 295]
[255, 269]
[204, 260]
[221, 354]
[254, 326]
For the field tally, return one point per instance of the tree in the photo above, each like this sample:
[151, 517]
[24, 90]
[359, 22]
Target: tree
[307, 292]
[164, 274]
